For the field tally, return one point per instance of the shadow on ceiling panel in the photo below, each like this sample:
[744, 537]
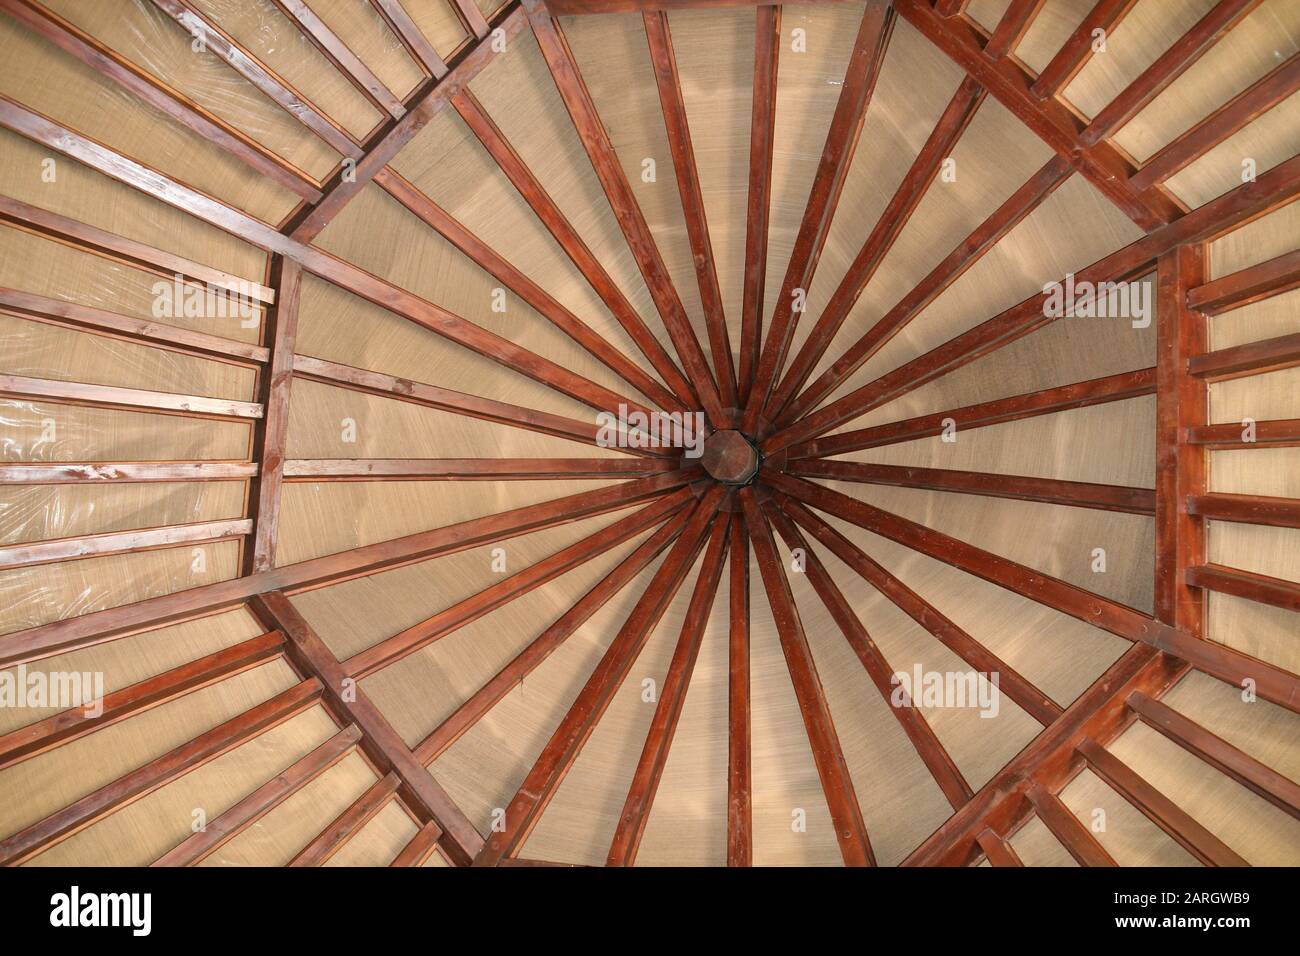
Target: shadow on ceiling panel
[87, 196]
[260, 27]
[153, 41]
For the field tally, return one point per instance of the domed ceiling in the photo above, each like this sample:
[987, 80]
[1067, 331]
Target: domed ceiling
[584, 432]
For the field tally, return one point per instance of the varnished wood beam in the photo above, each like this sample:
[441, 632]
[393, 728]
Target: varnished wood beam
[997, 850]
[513, 674]
[968, 252]
[740, 803]
[1159, 809]
[1230, 118]
[97, 472]
[1011, 29]
[1248, 509]
[1252, 774]
[125, 328]
[595, 140]
[29, 554]
[832, 770]
[1009, 82]
[569, 8]
[924, 170]
[1272, 683]
[272, 435]
[1181, 405]
[1253, 358]
[664, 63]
[130, 399]
[1238, 436]
[415, 42]
[472, 17]
[1010, 682]
[348, 823]
[466, 469]
[380, 741]
[1065, 826]
[860, 75]
[1248, 201]
[1075, 53]
[1096, 391]
[1170, 65]
[1277, 275]
[1074, 494]
[946, 774]
[421, 846]
[574, 246]
[672, 698]
[220, 43]
[1277, 592]
[225, 737]
[98, 627]
[541, 782]
[758, 203]
[434, 628]
[69, 725]
[173, 104]
[244, 814]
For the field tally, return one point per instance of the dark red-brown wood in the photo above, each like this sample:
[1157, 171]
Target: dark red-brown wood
[740, 803]
[1077, 50]
[1273, 277]
[1249, 509]
[1065, 826]
[348, 823]
[466, 469]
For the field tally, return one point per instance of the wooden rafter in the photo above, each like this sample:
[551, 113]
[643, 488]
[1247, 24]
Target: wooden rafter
[740, 809]
[1075, 53]
[466, 469]
[860, 75]
[347, 824]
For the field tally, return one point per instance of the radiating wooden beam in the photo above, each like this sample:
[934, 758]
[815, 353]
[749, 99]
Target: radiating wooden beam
[1047, 401]
[420, 848]
[532, 294]
[97, 472]
[949, 8]
[832, 770]
[472, 17]
[238, 818]
[740, 803]
[1253, 358]
[1105, 15]
[1065, 826]
[860, 75]
[541, 782]
[411, 37]
[225, 737]
[460, 403]
[173, 104]
[98, 627]
[1052, 592]
[1009, 82]
[1272, 683]
[1159, 809]
[128, 252]
[664, 63]
[380, 741]
[946, 774]
[1272, 189]
[1170, 65]
[466, 469]
[220, 43]
[1009, 681]
[332, 46]
[1074, 494]
[29, 554]
[1230, 118]
[1252, 774]
[568, 239]
[1278, 592]
[997, 850]
[672, 698]
[916, 182]
[1237, 436]
[348, 181]
[1011, 29]
[1248, 509]
[758, 203]
[1277, 275]
[69, 725]
[1181, 405]
[968, 252]
[434, 628]
[272, 435]
[348, 823]
[513, 674]
[595, 140]
[125, 328]
[130, 399]
[567, 8]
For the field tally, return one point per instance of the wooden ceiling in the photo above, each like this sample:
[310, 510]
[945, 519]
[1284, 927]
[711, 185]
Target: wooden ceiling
[759, 384]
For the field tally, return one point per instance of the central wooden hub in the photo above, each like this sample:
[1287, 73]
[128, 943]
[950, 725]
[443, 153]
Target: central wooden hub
[729, 457]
